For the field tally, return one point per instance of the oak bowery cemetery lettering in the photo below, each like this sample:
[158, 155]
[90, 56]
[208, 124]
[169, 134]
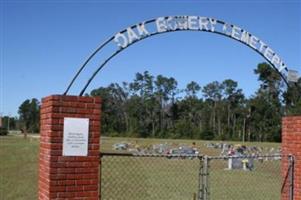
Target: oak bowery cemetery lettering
[195, 23]
[148, 28]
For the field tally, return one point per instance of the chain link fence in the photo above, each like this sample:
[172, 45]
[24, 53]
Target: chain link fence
[180, 177]
[149, 177]
[242, 177]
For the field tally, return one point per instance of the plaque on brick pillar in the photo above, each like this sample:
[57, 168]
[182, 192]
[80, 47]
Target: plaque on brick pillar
[75, 137]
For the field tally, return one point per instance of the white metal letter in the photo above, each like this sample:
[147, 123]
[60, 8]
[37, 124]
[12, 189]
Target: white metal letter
[245, 36]
[182, 22]
[203, 21]
[193, 23]
[282, 67]
[121, 40]
[161, 24]
[212, 23]
[142, 30]
[235, 33]
[275, 60]
[268, 53]
[225, 29]
[132, 35]
[171, 23]
[262, 46]
[253, 41]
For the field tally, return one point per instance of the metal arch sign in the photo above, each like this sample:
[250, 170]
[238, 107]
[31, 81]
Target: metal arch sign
[195, 23]
[140, 31]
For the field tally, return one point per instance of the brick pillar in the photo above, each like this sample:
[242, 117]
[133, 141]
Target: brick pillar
[291, 144]
[68, 177]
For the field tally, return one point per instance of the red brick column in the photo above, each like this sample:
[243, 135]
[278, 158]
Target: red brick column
[72, 177]
[291, 144]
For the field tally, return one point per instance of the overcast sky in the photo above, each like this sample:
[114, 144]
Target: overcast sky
[43, 43]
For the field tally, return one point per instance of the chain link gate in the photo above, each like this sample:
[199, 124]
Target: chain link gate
[245, 177]
[186, 177]
[150, 177]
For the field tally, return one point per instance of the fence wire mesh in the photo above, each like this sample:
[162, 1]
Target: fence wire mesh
[149, 177]
[244, 178]
[153, 177]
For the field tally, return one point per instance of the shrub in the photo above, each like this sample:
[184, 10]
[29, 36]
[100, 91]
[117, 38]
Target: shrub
[3, 131]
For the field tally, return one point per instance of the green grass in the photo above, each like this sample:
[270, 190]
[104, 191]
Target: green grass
[18, 168]
[149, 178]
[264, 182]
[177, 179]
[141, 178]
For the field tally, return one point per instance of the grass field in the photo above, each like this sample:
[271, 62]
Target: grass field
[141, 178]
[18, 168]
[177, 179]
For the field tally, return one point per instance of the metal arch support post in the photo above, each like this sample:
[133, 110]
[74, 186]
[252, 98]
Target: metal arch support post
[107, 60]
[95, 73]
[92, 55]
[86, 62]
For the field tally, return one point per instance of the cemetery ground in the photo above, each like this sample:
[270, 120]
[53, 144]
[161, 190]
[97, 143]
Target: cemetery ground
[145, 176]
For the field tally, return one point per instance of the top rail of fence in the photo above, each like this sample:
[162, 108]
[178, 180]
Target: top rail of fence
[128, 154]
[200, 156]
[259, 156]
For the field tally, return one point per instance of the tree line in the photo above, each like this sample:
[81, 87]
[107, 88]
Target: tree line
[28, 120]
[155, 107]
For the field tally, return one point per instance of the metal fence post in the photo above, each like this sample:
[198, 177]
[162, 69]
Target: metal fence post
[201, 179]
[291, 177]
[206, 174]
[100, 174]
